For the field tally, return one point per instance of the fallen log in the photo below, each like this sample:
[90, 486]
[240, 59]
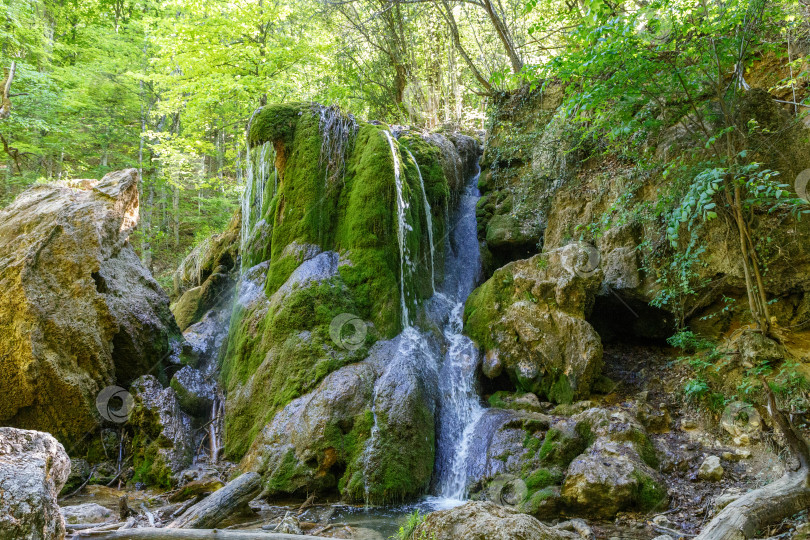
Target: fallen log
[782, 498]
[211, 511]
[190, 534]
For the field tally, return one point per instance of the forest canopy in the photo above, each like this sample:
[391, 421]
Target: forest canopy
[167, 87]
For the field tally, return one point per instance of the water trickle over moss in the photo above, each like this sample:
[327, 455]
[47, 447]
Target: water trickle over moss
[275, 354]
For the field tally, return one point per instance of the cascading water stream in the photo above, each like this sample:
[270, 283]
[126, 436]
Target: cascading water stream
[429, 219]
[258, 163]
[402, 230]
[459, 405]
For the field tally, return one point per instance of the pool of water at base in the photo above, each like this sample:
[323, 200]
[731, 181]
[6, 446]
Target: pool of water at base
[386, 520]
[358, 522]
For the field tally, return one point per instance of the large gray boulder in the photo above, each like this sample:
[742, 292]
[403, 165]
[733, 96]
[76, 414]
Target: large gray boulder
[78, 311]
[481, 520]
[163, 443]
[33, 469]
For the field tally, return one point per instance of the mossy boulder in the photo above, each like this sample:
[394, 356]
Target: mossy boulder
[327, 245]
[204, 279]
[160, 433]
[609, 478]
[595, 463]
[78, 311]
[195, 393]
[618, 471]
[478, 520]
[366, 431]
[529, 318]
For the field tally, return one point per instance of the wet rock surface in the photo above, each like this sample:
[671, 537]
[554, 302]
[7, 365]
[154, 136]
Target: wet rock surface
[367, 429]
[33, 469]
[162, 444]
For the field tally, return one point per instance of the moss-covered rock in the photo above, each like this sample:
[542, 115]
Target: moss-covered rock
[78, 311]
[216, 254]
[357, 434]
[326, 244]
[161, 437]
[529, 318]
[596, 463]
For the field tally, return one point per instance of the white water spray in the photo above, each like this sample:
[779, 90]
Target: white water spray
[429, 219]
[402, 229]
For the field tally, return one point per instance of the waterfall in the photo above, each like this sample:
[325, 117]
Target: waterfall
[429, 219]
[402, 229]
[256, 175]
[459, 405]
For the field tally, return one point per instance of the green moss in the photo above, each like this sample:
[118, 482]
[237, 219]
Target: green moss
[651, 495]
[290, 357]
[560, 390]
[542, 478]
[276, 123]
[341, 449]
[531, 442]
[402, 466]
[147, 462]
[560, 447]
[482, 307]
[281, 477]
[535, 500]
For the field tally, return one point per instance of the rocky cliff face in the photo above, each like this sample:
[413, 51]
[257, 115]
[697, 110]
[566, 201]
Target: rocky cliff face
[78, 312]
[545, 188]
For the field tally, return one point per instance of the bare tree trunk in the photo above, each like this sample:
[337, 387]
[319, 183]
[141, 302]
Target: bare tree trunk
[146, 251]
[5, 99]
[447, 13]
[176, 214]
[191, 534]
[504, 35]
[219, 505]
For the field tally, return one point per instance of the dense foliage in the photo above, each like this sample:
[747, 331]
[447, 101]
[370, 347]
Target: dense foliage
[167, 87]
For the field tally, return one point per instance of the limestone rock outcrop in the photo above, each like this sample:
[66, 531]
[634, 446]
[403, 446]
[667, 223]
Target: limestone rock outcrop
[368, 430]
[487, 521]
[78, 311]
[33, 469]
[162, 438]
[529, 317]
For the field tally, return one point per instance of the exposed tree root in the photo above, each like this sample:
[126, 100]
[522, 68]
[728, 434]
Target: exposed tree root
[780, 499]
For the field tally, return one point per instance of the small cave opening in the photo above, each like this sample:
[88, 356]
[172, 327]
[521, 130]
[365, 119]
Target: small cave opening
[634, 338]
[487, 387]
[101, 283]
[619, 319]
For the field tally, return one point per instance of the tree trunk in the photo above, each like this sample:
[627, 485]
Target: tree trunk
[745, 516]
[190, 534]
[176, 214]
[146, 251]
[504, 35]
[446, 11]
[209, 512]
[5, 101]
